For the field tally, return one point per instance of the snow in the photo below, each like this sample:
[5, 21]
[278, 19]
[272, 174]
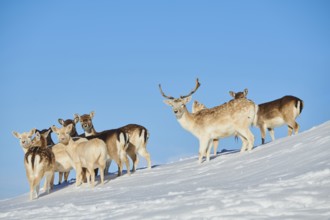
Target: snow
[285, 179]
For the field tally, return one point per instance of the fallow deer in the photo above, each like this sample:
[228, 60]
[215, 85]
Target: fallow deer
[73, 133]
[49, 139]
[279, 112]
[86, 121]
[197, 106]
[138, 138]
[234, 117]
[90, 154]
[25, 139]
[117, 143]
[39, 161]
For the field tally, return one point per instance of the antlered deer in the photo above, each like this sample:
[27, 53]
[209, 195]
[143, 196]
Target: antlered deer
[39, 161]
[276, 113]
[231, 118]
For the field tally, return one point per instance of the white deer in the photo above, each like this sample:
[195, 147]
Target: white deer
[231, 118]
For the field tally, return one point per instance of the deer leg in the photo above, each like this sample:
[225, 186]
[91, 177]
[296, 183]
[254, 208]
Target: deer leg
[144, 153]
[250, 139]
[271, 132]
[60, 176]
[203, 145]
[263, 133]
[66, 176]
[208, 151]
[215, 146]
[91, 178]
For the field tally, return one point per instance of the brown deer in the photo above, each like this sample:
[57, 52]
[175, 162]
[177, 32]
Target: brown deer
[197, 106]
[49, 139]
[39, 161]
[86, 123]
[90, 154]
[279, 112]
[138, 138]
[234, 117]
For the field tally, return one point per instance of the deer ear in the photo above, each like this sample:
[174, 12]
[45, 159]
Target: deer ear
[61, 121]
[38, 136]
[92, 114]
[76, 120]
[54, 128]
[168, 102]
[232, 94]
[45, 135]
[245, 92]
[16, 134]
[32, 132]
[186, 100]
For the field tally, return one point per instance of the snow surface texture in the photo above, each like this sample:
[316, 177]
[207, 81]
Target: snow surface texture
[285, 179]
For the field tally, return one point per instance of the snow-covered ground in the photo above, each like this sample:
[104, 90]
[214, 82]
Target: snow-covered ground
[285, 179]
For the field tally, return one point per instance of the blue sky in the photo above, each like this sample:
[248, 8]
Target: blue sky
[58, 58]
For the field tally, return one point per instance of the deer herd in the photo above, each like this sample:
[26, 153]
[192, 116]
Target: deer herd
[92, 152]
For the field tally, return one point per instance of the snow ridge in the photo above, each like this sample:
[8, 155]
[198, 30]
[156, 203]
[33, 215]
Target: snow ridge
[285, 179]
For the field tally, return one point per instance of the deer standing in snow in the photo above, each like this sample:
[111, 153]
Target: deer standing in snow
[138, 139]
[231, 118]
[279, 112]
[60, 147]
[197, 106]
[39, 161]
[90, 154]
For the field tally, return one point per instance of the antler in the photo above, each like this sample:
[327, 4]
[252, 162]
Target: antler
[193, 91]
[163, 94]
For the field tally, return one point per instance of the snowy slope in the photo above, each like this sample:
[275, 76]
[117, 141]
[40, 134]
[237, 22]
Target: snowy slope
[285, 179]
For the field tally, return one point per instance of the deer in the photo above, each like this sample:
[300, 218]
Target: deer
[49, 139]
[138, 139]
[117, 144]
[231, 118]
[197, 106]
[73, 133]
[276, 113]
[25, 138]
[90, 154]
[39, 161]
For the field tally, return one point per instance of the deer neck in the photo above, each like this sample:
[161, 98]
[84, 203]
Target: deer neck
[187, 121]
[90, 132]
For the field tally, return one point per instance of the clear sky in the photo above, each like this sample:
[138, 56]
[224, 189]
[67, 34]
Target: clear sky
[58, 58]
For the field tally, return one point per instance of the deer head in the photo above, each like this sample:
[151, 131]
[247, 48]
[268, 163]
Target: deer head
[40, 140]
[179, 104]
[86, 121]
[25, 138]
[63, 134]
[239, 95]
[65, 123]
